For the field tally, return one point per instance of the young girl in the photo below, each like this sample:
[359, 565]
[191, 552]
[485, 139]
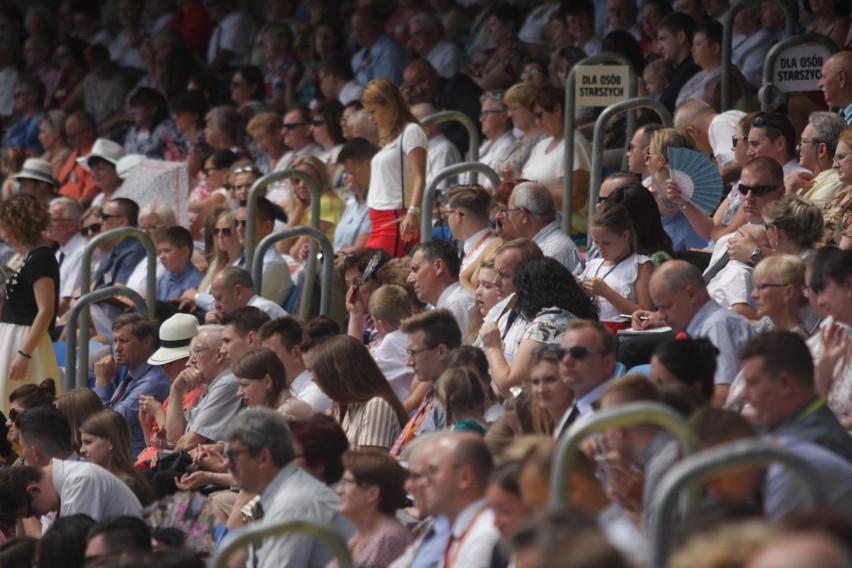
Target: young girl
[463, 397]
[619, 280]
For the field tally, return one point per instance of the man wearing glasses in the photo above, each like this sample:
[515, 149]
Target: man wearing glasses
[64, 230]
[816, 153]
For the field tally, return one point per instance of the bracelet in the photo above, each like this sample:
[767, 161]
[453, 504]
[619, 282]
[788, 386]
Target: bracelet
[683, 207]
[414, 210]
[24, 354]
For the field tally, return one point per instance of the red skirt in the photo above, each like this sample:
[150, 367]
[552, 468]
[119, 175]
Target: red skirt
[386, 232]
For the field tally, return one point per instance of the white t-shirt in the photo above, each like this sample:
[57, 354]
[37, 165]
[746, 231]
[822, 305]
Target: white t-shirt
[548, 168]
[620, 277]
[384, 193]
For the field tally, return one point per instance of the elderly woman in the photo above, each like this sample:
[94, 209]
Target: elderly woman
[371, 491]
[838, 211]
[265, 132]
[101, 163]
[497, 128]
[224, 130]
[519, 109]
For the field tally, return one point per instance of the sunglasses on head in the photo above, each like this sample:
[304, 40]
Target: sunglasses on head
[756, 190]
[92, 229]
[577, 352]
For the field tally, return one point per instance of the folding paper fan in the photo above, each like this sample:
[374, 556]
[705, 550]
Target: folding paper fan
[697, 178]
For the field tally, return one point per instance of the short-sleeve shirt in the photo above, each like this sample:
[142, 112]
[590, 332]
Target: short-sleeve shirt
[216, 407]
[386, 178]
[548, 325]
[235, 33]
[20, 307]
[88, 489]
[373, 423]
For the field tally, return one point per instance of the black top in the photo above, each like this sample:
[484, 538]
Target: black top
[20, 307]
[682, 73]
[461, 93]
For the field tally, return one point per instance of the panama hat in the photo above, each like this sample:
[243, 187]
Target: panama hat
[176, 334]
[37, 169]
[103, 149]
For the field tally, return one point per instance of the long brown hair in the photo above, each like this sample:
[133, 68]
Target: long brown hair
[255, 365]
[346, 372]
[382, 92]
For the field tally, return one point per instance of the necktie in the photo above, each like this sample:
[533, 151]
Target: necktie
[258, 511]
[61, 257]
[717, 268]
[572, 417]
[122, 388]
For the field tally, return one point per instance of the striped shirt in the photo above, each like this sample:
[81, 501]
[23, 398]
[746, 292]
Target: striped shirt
[371, 423]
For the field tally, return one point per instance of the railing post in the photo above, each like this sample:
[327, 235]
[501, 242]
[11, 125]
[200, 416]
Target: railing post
[728, 39]
[317, 236]
[432, 186]
[86, 278]
[700, 468]
[597, 140]
[79, 377]
[570, 124]
[458, 116]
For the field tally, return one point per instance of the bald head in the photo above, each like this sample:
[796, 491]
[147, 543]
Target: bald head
[811, 549]
[679, 292]
[676, 275]
[836, 80]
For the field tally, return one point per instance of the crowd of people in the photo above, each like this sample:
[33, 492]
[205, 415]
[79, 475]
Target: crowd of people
[419, 419]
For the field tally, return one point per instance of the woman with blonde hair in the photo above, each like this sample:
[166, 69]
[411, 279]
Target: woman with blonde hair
[779, 293]
[105, 440]
[364, 403]
[227, 250]
[299, 211]
[398, 179]
[519, 108]
[793, 225]
[31, 297]
[77, 405]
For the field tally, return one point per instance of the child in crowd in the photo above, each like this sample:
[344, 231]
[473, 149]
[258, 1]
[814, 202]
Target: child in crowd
[388, 306]
[657, 76]
[174, 248]
[618, 281]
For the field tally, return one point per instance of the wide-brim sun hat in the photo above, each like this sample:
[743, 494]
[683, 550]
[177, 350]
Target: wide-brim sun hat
[37, 169]
[103, 149]
[176, 334]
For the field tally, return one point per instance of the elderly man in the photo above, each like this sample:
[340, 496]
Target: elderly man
[261, 457]
[233, 288]
[816, 154]
[712, 132]
[836, 84]
[533, 215]
[435, 278]
[680, 294]
[428, 41]
[75, 181]
[64, 230]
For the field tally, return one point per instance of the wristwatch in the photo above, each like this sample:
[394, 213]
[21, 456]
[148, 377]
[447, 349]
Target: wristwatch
[413, 210]
[757, 254]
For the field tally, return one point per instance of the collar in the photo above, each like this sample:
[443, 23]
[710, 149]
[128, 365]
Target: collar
[467, 516]
[73, 243]
[546, 231]
[141, 370]
[448, 291]
[183, 273]
[806, 410]
[585, 402]
[471, 243]
[701, 315]
[652, 449]
[271, 490]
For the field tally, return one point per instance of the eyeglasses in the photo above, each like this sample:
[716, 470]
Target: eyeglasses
[768, 226]
[292, 125]
[242, 223]
[736, 139]
[14, 413]
[318, 122]
[487, 113]
[813, 142]
[107, 216]
[756, 190]
[506, 210]
[577, 352]
[196, 350]
[526, 75]
[415, 352]
[766, 285]
[224, 231]
[150, 227]
[91, 230]
[231, 454]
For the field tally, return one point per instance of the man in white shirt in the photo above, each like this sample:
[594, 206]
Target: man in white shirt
[435, 278]
[836, 85]
[428, 41]
[232, 38]
[712, 132]
[233, 288]
[533, 215]
[284, 336]
[441, 153]
[44, 435]
[468, 220]
[586, 364]
[457, 469]
[64, 229]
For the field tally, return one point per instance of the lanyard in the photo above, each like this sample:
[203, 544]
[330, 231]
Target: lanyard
[450, 560]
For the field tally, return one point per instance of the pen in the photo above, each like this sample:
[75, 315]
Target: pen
[630, 316]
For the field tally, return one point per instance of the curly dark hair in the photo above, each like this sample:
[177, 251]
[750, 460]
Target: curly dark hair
[545, 283]
[23, 218]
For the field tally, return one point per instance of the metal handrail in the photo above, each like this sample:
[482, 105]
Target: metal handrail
[629, 414]
[569, 123]
[728, 39]
[78, 377]
[251, 220]
[317, 236]
[457, 116]
[597, 140]
[257, 534]
[696, 470]
[769, 94]
[86, 277]
[432, 186]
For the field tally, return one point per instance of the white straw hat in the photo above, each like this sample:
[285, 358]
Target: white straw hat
[176, 334]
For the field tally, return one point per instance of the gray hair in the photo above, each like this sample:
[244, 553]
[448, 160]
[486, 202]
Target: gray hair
[229, 121]
[827, 128]
[360, 118]
[494, 96]
[432, 22]
[161, 210]
[71, 207]
[259, 429]
[535, 199]
[55, 120]
[213, 331]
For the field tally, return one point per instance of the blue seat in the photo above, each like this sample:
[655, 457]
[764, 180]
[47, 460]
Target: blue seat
[642, 370]
[291, 300]
[619, 369]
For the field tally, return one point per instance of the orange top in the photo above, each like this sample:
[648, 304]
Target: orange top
[189, 400]
[74, 181]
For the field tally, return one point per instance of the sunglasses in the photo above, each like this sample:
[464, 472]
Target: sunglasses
[757, 190]
[91, 230]
[736, 139]
[13, 414]
[242, 223]
[292, 125]
[107, 216]
[577, 352]
[225, 231]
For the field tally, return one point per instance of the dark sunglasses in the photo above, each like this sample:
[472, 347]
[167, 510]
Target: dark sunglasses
[91, 230]
[757, 190]
[292, 125]
[242, 223]
[225, 231]
[577, 352]
[736, 139]
[106, 216]
[13, 414]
